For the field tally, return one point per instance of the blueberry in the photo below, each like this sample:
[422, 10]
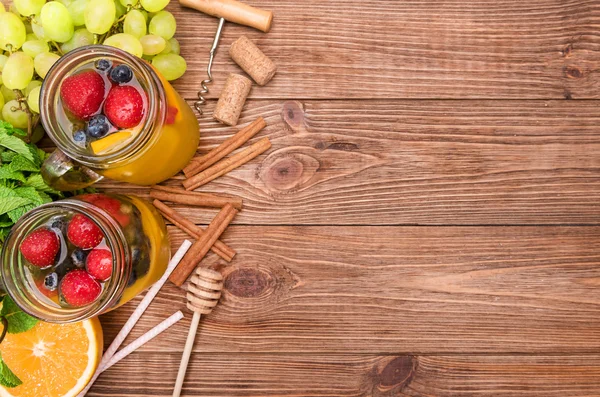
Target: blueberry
[58, 224]
[121, 74]
[132, 278]
[98, 126]
[136, 253]
[103, 64]
[51, 281]
[80, 137]
[78, 257]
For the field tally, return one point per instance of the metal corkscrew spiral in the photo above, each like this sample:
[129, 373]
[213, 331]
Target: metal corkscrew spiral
[204, 85]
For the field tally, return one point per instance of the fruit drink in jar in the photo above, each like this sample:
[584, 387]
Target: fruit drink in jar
[77, 258]
[113, 115]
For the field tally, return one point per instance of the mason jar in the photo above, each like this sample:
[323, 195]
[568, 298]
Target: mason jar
[134, 239]
[160, 146]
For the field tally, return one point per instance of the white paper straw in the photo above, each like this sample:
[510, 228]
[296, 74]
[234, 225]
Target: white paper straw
[137, 313]
[142, 340]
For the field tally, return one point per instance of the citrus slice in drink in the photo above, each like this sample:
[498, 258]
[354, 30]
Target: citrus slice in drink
[112, 142]
[53, 360]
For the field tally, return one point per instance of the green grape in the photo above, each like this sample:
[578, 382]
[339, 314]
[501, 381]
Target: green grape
[12, 31]
[37, 134]
[3, 59]
[30, 36]
[168, 48]
[80, 38]
[57, 22]
[43, 62]
[126, 42]
[135, 24]
[36, 26]
[77, 10]
[171, 66]
[18, 71]
[2, 9]
[33, 99]
[152, 44]
[100, 15]
[8, 94]
[29, 7]
[33, 84]
[66, 3]
[154, 5]
[128, 3]
[175, 49]
[34, 47]
[120, 10]
[12, 113]
[163, 24]
[145, 14]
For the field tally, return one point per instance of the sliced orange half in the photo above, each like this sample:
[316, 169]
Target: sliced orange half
[53, 360]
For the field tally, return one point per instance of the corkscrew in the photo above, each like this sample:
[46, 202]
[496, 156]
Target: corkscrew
[226, 10]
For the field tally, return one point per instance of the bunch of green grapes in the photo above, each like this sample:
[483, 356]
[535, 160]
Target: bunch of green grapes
[34, 34]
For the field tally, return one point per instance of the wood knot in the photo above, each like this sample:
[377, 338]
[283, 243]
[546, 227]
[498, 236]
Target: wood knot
[288, 172]
[344, 146]
[293, 114]
[572, 72]
[567, 51]
[247, 282]
[396, 373]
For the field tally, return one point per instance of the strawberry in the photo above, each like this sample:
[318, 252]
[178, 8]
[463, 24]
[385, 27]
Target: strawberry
[82, 94]
[124, 106]
[78, 288]
[100, 264]
[171, 114]
[40, 247]
[83, 232]
[108, 204]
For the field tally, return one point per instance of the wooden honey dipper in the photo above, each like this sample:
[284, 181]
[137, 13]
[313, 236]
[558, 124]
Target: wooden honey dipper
[203, 295]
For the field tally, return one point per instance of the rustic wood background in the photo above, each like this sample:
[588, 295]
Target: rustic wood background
[427, 222]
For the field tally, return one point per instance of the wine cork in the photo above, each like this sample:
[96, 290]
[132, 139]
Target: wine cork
[232, 99]
[252, 60]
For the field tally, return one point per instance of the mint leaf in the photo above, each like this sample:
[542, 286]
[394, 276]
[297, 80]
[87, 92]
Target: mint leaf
[7, 377]
[7, 156]
[9, 200]
[15, 144]
[37, 182]
[18, 320]
[7, 173]
[21, 163]
[29, 193]
[17, 213]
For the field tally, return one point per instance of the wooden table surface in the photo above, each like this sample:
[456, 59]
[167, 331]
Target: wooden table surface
[427, 221]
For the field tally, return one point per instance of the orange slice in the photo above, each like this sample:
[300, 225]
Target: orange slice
[112, 142]
[53, 360]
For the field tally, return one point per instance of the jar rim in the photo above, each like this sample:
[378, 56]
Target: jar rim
[51, 88]
[15, 280]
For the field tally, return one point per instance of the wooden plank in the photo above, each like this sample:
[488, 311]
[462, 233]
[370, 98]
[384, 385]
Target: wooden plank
[251, 375]
[414, 162]
[539, 49]
[416, 290]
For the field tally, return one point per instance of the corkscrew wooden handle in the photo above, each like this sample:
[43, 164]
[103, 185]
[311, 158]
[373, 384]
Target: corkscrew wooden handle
[233, 11]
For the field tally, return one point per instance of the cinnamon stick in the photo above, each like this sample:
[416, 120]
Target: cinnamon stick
[200, 248]
[219, 248]
[201, 163]
[180, 196]
[228, 164]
